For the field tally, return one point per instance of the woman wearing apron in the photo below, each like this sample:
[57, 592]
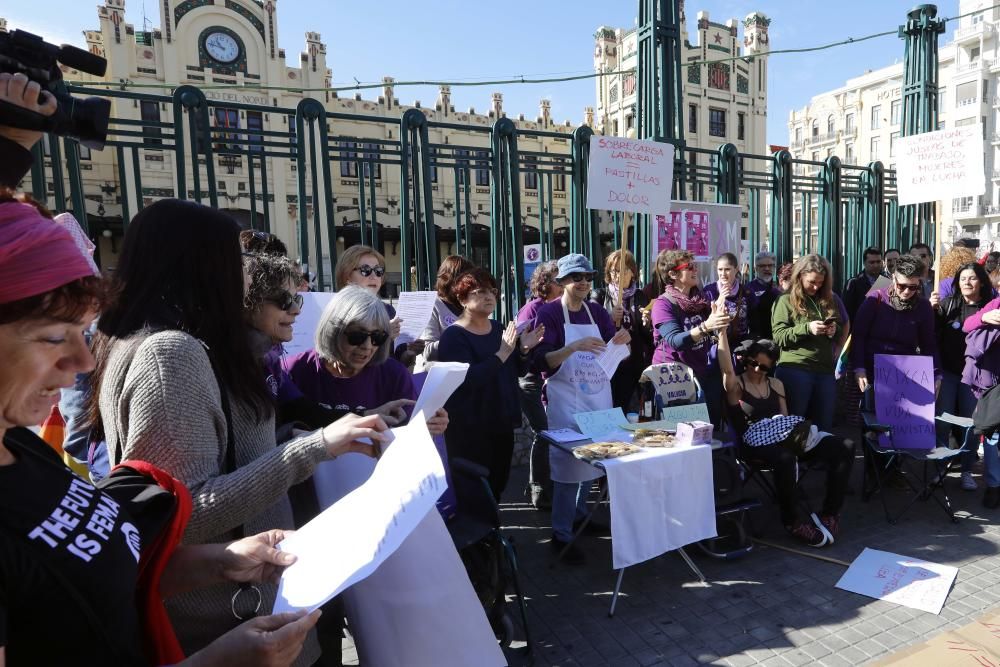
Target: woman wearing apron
[574, 383]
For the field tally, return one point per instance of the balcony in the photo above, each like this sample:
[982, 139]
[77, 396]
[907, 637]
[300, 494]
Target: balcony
[991, 210]
[974, 31]
[823, 138]
[996, 174]
[964, 212]
[966, 102]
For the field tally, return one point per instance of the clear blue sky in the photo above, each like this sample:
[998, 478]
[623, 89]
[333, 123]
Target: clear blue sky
[463, 39]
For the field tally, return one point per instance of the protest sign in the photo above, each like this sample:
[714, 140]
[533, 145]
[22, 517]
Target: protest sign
[532, 258]
[695, 412]
[977, 643]
[629, 175]
[705, 230]
[304, 329]
[941, 165]
[673, 381]
[904, 399]
[914, 583]
[601, 423]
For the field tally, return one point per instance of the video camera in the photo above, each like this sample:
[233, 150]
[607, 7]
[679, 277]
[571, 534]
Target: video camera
[84, 119]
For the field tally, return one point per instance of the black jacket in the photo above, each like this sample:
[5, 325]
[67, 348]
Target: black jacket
[15, 162]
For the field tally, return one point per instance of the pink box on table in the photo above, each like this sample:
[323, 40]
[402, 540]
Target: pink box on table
[694, 433]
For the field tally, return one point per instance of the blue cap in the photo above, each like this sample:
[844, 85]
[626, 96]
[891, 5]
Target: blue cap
[574, 263]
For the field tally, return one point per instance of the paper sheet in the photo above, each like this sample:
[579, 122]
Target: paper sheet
[880, 282]
[304, 329]
[443, 378]
[613, 354]
[601, 424]
[563, 435]
[350, 539]
[415, 309]
[911, 582]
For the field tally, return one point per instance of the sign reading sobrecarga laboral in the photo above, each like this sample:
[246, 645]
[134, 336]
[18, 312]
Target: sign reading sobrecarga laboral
[904, 398]
[629, 175]
[941, 165]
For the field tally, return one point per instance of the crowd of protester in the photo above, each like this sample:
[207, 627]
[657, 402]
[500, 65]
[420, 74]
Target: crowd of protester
[183, 383]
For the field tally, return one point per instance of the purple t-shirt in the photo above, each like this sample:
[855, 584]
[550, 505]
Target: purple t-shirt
[278, 382]
[372, 387]
[529, 311]
[738, 307]
[677, 344]
[551, 315]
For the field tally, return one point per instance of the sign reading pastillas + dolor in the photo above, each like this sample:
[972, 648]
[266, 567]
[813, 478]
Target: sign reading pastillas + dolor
[629, 175]
[941, 165]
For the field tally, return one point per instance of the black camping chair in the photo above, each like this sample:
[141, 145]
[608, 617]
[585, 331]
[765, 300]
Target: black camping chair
[924, 471]
[488, 556]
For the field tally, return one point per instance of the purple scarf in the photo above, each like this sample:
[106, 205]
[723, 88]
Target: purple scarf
[690, 304]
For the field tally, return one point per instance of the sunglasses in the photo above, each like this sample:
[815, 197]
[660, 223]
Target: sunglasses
[356, 338]
[681, 267]
[285, 300]
[483, 291]
[581, 277]
[366, 270]
[907, 287]
[762, 368]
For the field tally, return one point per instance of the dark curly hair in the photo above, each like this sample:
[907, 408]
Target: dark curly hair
[542, 279]
[261, 242]
[269, 274]
[450, 269]
[477, 278]
[909, 266]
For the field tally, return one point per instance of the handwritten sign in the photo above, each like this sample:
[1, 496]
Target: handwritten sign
[976, 644]
[602, 423]
[904, 398]
[695, 412]
[672, 380]
[914, 583]
[941, 165]
[378, 516]
[629, 175]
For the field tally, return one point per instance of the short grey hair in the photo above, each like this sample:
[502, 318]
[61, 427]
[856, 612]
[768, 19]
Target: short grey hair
[351, 306]
[765, 255]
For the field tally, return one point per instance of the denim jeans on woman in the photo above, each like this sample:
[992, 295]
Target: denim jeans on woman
[956, 398]
[569, 505]
[991, 461]
[809, 394]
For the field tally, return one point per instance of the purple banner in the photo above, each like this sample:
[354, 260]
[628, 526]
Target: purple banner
[904, 398]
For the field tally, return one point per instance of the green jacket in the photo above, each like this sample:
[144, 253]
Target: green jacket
[799, 348]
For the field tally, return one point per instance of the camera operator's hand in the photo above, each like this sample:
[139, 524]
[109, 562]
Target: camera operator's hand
[18, 90]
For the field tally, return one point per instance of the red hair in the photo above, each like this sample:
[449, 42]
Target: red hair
[470, 281]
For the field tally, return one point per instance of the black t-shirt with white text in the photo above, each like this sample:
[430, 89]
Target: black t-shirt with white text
[59, 533]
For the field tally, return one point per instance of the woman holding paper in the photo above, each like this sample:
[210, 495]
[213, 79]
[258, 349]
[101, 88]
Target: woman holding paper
[752, 396]
[351, 369]
[485, 409]
[576, 331]
[684, 327]
[623, 299]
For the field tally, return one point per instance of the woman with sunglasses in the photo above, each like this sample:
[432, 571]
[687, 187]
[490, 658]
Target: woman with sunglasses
[576, 330]
[894, 320]
[350, 368]
[809, 324]
[753, 395]
[364, 266]
[973, 292]
[485, 409]
[177, 384]
[684, 328]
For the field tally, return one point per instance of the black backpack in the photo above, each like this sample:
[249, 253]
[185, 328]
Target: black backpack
[986, 416]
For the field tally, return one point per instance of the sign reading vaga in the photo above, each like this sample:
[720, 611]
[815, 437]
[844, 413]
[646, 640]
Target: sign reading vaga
[629, 175]
[941, 165]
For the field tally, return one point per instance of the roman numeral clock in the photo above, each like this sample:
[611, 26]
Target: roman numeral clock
[222, 50]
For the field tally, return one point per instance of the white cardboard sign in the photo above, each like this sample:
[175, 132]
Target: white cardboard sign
[911, 582]
[941, 165]
[304, 329]
[629, 175]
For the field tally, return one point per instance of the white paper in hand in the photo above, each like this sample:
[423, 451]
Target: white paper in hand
[415, 309]
[443, 379]
[614, 354]
[352, 537]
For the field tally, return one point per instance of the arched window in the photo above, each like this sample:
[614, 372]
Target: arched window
[830, 124]
[815, 128]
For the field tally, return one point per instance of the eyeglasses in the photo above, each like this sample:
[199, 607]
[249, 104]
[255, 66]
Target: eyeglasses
[285, 300]
[762, 368]
[682, 267]
[581, 277]
[907, 287]
[366, 270]
[484, 291]
[357, 338]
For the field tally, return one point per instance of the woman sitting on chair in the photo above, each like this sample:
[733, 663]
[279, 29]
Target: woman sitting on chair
[751, 396]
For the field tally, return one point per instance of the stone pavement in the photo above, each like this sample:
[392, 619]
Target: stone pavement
[770, 607]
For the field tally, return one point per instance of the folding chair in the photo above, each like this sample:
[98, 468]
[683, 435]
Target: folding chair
[884, 459]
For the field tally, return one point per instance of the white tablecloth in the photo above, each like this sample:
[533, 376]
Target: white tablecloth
[661, 499]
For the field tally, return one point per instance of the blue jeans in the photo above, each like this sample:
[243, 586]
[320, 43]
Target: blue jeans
[809, 394]
[991, 461]
[957, 398]
[569, 504]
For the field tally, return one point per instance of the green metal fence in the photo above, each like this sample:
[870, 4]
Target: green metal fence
[855, 205]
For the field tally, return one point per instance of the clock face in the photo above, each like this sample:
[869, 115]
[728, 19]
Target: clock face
[222, 47]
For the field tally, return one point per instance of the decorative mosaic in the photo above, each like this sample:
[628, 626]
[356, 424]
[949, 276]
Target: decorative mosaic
[718, 76]
[183, 8]
[742, 84]
[694, 74]
[248, 15]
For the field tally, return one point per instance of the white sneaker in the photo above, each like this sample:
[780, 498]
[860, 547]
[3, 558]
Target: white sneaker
[968, 483]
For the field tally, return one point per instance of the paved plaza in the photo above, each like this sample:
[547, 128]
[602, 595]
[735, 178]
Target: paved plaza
[771, 607]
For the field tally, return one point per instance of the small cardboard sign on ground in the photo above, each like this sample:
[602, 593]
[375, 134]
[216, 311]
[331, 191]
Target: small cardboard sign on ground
[911, 582]
[629, 175]
[975, 644]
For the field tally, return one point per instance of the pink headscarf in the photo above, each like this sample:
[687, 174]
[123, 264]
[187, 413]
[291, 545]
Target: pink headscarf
[37, 254]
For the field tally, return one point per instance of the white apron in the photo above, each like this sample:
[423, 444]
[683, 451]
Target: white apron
[580, 385]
